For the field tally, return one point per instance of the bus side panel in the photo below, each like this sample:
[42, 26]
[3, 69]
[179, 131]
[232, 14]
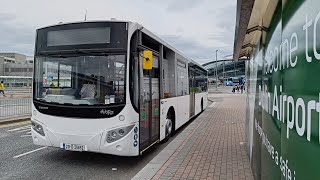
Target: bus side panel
[205, 100]
[182, 114]
[181, 106]
[198, 98]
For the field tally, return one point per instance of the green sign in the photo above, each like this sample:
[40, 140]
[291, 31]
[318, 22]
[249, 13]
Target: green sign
[156, 111]
[143, 116]
[284, 95]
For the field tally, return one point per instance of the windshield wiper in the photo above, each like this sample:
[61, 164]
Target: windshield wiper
[52, 55]
[90, 53]
[40, 99]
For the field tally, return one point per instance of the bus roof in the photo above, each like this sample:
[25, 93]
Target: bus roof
[76, 22]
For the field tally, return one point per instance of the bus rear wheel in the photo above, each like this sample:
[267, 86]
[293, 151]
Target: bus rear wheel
[202, 105]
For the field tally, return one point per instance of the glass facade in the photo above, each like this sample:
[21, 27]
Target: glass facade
[227, 67]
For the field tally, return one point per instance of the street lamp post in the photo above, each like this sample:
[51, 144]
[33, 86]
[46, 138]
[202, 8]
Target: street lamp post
[223, 74]
[217, 69]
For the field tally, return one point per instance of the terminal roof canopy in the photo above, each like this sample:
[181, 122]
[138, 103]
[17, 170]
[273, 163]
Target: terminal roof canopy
[253, 17]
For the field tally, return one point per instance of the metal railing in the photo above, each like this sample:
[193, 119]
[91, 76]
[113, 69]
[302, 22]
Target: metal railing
[14, 92]
[10, 107]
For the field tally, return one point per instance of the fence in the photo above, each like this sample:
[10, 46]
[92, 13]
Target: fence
[18, 90]
[14, 107]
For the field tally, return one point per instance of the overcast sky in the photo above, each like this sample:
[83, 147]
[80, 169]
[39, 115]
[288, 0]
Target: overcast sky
[195, 27]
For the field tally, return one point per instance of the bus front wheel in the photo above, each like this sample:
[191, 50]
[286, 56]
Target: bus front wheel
[169, 127]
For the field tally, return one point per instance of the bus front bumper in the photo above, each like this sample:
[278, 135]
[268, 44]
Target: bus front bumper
[127, 145]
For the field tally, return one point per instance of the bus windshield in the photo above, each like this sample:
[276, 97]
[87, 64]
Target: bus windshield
[80, 80]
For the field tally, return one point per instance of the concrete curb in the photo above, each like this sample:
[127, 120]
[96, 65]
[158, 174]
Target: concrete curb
[151, 169]
[14, 119]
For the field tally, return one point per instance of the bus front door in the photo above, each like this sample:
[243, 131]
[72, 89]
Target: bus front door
[149, 104]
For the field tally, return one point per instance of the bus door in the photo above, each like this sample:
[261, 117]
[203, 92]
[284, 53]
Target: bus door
[149, 104]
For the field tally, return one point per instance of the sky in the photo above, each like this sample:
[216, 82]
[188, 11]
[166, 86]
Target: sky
[197, 28]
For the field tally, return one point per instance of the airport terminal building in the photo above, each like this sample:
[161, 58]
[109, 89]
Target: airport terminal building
[14, 64]
[16, 69]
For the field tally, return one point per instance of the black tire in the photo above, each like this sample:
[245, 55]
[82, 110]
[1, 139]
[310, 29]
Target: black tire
[169, 127]
[202, 105]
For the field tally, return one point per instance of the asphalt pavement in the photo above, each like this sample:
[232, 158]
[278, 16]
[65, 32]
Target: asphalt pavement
[21, 159]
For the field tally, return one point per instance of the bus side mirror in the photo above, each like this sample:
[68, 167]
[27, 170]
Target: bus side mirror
[147, 59]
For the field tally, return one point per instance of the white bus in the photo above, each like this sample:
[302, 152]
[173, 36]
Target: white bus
[111, 87]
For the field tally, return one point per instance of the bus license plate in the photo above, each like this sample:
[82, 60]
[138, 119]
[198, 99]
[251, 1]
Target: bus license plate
[74, 147]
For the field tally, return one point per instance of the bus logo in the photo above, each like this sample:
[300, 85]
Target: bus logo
[106, 112]
[42, 107]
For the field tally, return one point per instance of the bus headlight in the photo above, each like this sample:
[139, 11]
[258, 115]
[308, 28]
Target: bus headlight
[121, 132]
[38, 128]
[113, 134]
[116, 134]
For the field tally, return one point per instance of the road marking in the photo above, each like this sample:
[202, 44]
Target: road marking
[29, 152]
[212, 105]
[28, 132]
[26, 135]
[20, 128]
[24, 130]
